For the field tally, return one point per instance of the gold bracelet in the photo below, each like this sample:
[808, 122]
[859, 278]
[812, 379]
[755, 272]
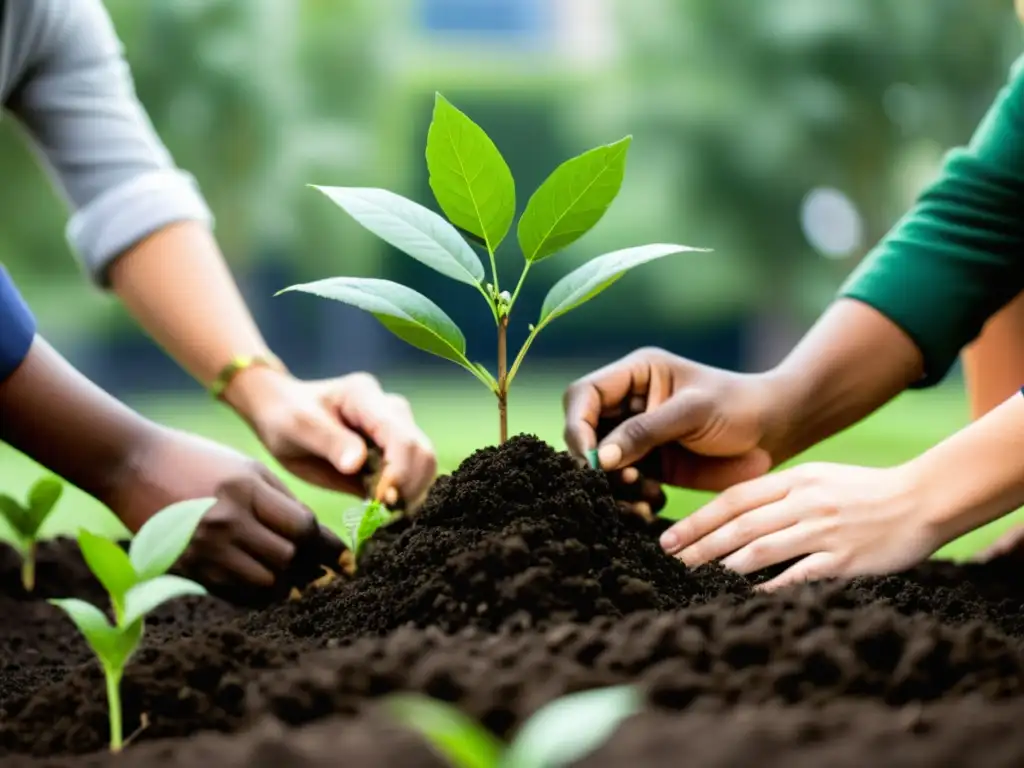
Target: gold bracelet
[242, 363]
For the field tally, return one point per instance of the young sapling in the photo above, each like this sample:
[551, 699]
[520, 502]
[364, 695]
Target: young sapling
[558, 734]
[137, 582]
[474, 187]
[26, 520]
[359, 524]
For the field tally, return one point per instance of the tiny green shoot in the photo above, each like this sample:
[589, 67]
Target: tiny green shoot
[360, 523]
[26, 520]
[474, 188]
[558, 734]
[137, 582]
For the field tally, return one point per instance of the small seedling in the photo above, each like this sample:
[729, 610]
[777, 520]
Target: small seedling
[26, 520]
[474, 187]
[558, 734]
[137, 582]
[359, 524]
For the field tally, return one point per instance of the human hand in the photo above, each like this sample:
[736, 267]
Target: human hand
[318, 430]
[843, 521]
[256, 543]
[670, 420]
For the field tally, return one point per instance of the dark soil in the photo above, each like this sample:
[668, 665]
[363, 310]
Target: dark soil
[519, 581]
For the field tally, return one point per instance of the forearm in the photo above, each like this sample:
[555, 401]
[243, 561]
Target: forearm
[974, 476]
[994, 364]
[853, 361]
[53, 414]
[178, 286]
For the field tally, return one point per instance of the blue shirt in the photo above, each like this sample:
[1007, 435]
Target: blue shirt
[17, 326]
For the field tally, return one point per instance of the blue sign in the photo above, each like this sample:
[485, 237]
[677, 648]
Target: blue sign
[504, 18]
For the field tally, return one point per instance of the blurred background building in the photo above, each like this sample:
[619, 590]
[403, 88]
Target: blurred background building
[787, 135]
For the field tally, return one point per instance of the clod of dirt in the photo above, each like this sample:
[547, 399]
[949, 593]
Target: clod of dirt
[518, 533]
[966, 733]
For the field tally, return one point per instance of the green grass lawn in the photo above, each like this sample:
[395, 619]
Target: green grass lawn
[460, 416]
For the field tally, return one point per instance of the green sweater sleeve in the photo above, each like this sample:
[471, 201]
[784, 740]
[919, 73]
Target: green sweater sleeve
[958, 256]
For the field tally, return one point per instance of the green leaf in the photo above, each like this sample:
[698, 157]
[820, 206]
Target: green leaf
[144, 597]
[570, 728]
[375, 515]
[587, 281]
[412, 229]
[458, 739]
[409, 315]
[360, 523]
[16, 515]
[572, 200]
[469, 177]
[42, 498]
[109, 563]
[165, 536]
[112, 645]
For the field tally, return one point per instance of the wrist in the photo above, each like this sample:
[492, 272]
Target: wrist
[253, 388]
[781, 407]
[942, 512]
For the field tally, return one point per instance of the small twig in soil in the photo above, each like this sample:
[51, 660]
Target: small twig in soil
[143, 725]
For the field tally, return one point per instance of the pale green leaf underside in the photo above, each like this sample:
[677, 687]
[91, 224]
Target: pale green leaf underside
[412, 229]
[350, 520]
[587, 281]
[460, 741]
[165, 536]
[568, 729]
[469, 177]
[409, 315]
[144, 597]
[108, 562]
[572, 200]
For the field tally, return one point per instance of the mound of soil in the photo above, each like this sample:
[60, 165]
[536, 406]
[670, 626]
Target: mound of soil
[519, 534]
[519, 581]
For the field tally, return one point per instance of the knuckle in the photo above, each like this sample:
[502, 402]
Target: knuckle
[363, 381]
[399, 403]
[573, 392]
[647, 354]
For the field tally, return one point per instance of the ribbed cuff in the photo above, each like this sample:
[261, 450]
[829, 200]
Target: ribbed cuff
[17, 327]
[124, 215]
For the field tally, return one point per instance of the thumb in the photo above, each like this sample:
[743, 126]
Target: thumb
[684, 414]
[339, 446]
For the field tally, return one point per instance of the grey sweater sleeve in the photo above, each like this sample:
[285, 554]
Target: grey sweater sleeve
[75, 95]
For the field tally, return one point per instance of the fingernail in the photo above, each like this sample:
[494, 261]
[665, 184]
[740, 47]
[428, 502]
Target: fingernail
[351, 460]
[592, 458]
[391, 496]
[609, 456]
[669, 541]
[630, 475]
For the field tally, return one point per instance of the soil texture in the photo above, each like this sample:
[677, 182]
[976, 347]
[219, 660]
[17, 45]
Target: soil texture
[519, 580]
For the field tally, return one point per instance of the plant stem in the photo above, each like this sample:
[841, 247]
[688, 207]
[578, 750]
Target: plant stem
[114, 704]
[28, 568]
[519, 285]
[503, 380]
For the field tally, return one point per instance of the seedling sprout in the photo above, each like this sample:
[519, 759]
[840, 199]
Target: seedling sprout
[137, 582]
[558, 734]
[360, 523]
[26, 520]
[474, 187]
